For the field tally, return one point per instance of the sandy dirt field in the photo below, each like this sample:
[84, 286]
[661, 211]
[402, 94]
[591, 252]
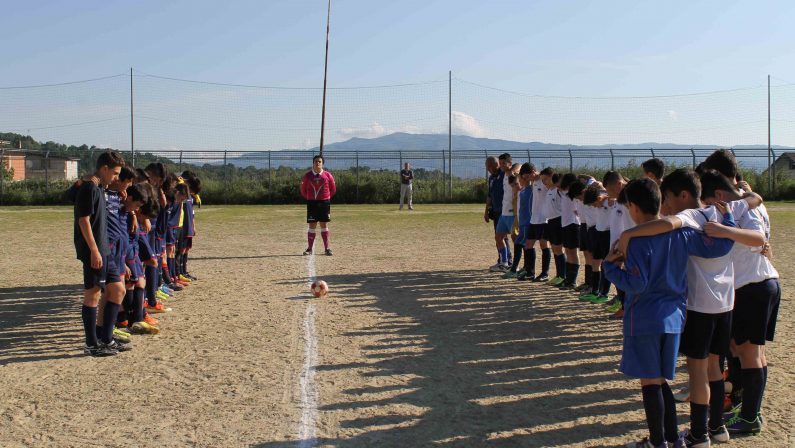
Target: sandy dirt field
[417, 344]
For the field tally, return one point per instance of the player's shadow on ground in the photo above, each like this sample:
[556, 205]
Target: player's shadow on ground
[489, 362]
[32, 323]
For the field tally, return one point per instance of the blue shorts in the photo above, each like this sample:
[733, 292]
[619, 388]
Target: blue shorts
[116, 265]
[505, 224]
[650, 356]
[524, 230]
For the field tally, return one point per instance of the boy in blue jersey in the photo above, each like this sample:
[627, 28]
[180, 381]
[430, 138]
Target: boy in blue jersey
[91, 244]
[654, 280]
[194, 188]
[117, 271]
[494, 205]
[523, 206]
[505, 223]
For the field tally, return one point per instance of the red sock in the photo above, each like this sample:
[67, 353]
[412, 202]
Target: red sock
[310, 237]
[324, 234]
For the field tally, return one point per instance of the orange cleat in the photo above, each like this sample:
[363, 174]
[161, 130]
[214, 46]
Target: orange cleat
[151, 320]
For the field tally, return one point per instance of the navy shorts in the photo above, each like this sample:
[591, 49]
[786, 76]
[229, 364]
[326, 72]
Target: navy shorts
[95, 278]
[601, 244]
[554, 231]
[115, 263]
[650, 356]
[756, 312]
[571, 236]
[537, 231]
[318, 211]
[189, 242]
[584, 237]
[171, 236]
[706, 334]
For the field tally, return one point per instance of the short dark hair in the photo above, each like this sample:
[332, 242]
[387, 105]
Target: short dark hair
[127, 173]
[591, 194]
[567, 180]
[140, 175]
[612, 177]
[138, 192]
[555, 178]
[157, 169]
[151, 205]
[654, 166]
[576, 189]
[682, 180]
[505, 156]
[318, 157]
[548, 171]
[110, 159]
[722, 161]
[712, 181]
[194, 183]
[527, 168]
[645, 194]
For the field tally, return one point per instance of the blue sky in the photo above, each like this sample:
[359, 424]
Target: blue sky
[557, 48]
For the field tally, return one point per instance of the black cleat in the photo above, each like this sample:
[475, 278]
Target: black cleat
[328, 252]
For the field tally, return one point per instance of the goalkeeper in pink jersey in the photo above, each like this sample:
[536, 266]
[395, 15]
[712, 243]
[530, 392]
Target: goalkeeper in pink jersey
[318, 187]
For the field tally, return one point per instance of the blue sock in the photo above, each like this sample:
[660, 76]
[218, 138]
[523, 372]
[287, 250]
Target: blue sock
[504, 255]
[90, 324]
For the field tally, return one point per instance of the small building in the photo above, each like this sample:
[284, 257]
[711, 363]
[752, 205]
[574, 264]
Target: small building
[34, 165]
[785, 165]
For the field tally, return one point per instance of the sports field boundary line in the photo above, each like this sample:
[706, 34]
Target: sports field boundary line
[307, 426]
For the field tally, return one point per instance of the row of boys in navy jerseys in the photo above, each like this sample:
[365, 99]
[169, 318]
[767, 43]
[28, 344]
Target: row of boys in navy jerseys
[679, 286]
[133, 231]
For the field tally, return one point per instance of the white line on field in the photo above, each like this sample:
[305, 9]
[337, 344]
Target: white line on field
[306, 429]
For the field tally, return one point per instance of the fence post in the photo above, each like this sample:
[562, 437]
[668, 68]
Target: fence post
[444, 176]
[180, 160]
[528, 154]
[357, 176]
[571, 162]
[486, 156]
[652, 152]
[270, 179]
[226, 180]
[400, 167]
[693, 153]
[771, 172]
[46, 176]
[612, 161]
[3, 175]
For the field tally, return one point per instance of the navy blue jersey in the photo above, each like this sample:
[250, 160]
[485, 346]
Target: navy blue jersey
[187, 223]
[117, 227]
[90, 201]
[161, 223]
[173, 211]
[496, 192]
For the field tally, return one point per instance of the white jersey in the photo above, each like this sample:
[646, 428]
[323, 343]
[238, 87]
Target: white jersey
[579, 209]
[602, 216]
[552, 205]
[539, 199]
[568, 211]
[619, 221]
[507, 197]
[752, 266]
[710, 281]
[588, 215]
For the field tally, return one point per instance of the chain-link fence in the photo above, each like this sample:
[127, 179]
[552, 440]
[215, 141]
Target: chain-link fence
[273, 177]
[252, 143]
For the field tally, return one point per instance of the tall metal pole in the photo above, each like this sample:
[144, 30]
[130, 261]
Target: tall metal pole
[325, 76]
[450, 129]
[769, 146]
[132, 122]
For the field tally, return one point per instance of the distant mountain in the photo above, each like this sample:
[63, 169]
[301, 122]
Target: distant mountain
[439, 142]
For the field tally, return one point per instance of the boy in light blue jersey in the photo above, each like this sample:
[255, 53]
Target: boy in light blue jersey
[524, 212]
[655, 286]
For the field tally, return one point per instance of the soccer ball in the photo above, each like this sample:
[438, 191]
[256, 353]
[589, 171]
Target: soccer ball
[319, 288]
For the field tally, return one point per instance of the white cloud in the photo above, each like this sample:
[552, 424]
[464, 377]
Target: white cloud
[372, 131]
[673, 115]
[464, 124]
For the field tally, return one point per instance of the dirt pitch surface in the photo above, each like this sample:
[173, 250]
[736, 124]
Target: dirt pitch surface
[416, 345]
